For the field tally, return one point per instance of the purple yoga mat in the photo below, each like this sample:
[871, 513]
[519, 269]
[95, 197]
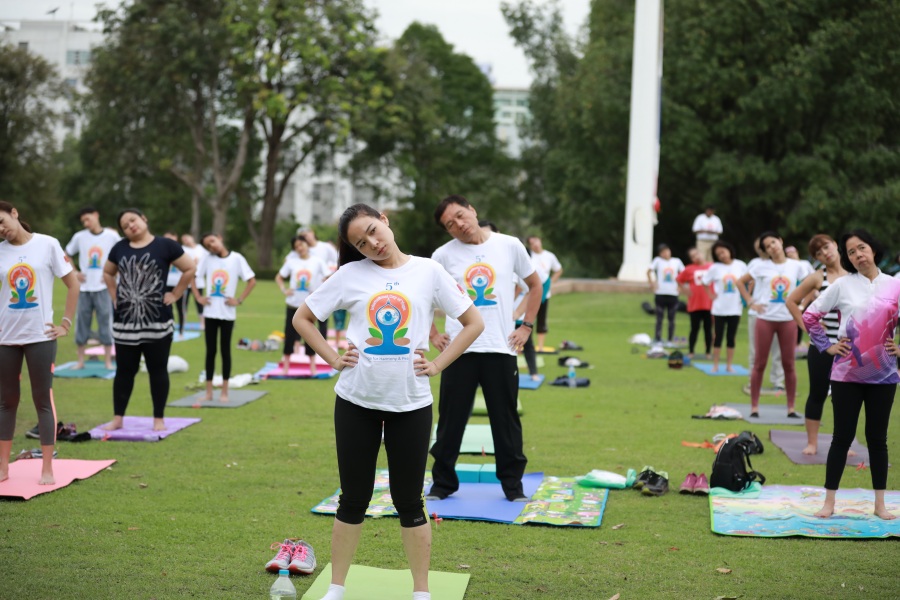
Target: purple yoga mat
[792, 443]
[484, 501]
[140, 429]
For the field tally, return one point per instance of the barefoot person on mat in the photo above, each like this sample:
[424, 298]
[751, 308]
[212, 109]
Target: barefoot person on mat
[383, 386]
[135, 276]
[29, 263]
[865, 364]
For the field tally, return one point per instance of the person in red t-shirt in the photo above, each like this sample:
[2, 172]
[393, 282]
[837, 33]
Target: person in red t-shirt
[699, 302]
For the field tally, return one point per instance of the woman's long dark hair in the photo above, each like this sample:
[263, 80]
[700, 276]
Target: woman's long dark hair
[347, 253]
[8, 208]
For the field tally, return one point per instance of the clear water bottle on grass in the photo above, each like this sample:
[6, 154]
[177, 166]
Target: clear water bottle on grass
[570, 378]
[283, 587]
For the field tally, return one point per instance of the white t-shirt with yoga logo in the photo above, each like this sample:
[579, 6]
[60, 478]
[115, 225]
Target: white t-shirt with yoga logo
[391, 311]
[724, 279]
[220, 276]
[485, 271]
[26, 288]
[666, 272]
[303, 276]
[773, 284]
[92, 250]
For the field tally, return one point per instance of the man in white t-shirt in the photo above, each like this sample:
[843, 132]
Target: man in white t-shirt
[92, 245]
[707, 227]
[549, 271]
[321, 250]
[483, 264]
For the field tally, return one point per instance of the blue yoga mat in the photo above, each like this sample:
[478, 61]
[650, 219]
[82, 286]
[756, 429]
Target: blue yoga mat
[707, 368]
[484, 501]
[187, 335]
[526, 383]
[92, 368]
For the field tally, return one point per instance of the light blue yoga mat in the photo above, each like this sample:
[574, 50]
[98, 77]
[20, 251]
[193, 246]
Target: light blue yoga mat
[92, 368]
[783, 510]
[187, 335]
[707, 368]
[526, 383]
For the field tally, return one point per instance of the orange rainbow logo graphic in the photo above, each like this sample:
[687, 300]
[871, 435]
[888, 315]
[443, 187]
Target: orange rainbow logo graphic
[388, 315]
[302, 280]
[781, 285]
[479, 280]
[729, 284]
[21, 279]
[219, 279]
[95, 255]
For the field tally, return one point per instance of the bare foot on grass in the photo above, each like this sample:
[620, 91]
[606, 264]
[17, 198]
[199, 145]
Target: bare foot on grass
[810, 450]
[116, 423]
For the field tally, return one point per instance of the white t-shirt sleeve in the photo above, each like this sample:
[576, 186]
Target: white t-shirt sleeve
[246, 272]
[448, 295]
[72, 246]
[328, 297]
[285, 270]
[58, 261]
[523, 267]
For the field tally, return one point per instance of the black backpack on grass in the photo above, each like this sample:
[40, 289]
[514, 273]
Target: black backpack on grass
[731, 468]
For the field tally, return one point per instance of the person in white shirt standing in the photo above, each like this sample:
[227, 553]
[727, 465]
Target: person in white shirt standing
[483, 264]
[221, 270]
[662, 276]
[383, 388]
[29, 264]
[92, 245]
[707, 227]
[199, 253]
[549, 271]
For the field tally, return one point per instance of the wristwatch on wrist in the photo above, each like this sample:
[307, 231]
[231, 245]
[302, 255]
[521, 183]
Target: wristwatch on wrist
[527, 324]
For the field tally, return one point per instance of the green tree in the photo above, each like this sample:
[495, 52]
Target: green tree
[311, 77]
[439, 136]
[29, 89]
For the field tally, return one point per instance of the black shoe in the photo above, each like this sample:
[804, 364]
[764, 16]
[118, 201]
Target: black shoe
[657, 486]
[754, 415]
[34, 433]
[643, 477]
[794, 415]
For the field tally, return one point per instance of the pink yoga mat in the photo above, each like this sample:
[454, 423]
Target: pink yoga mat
[302, 359]
[99, 351]
[24, 476]
[140, 429]
[295, 371]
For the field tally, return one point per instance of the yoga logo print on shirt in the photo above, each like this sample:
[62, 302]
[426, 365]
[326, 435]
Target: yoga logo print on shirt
[388, 314]
[138, 292]
[668, 275]
[95, 257]
[302, 280]
[21, 279]
[480, 279]
[781, 285]
[220, 281]
[729, 284]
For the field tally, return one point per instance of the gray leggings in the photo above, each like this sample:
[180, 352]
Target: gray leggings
[40, 357]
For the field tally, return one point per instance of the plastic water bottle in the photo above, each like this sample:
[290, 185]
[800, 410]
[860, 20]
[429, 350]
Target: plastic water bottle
[283, 587]
[571, 376]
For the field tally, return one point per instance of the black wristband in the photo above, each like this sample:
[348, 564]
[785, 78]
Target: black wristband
[528, 325]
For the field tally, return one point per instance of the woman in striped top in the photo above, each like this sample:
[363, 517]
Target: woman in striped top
[865, 367]
[825, 250]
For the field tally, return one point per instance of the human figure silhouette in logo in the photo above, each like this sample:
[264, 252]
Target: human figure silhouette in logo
[387, 320]
[22, 281]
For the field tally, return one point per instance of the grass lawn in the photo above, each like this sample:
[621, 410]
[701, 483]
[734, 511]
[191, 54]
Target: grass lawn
[193, 516]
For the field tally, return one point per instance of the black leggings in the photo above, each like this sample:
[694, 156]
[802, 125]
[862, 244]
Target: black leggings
[847, 399]
[291, 336]
[357, 433]
[698, 318]
[213, 326]
[665, 305]
[181, 305]
[819, 366]
[732, 322]
[40, 357]
[529, 352]
[128, 361]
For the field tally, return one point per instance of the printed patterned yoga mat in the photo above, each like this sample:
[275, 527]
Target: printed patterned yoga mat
[781, 511]
[557, 501]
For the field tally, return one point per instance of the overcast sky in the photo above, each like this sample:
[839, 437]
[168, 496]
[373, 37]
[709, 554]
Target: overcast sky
[474, 27]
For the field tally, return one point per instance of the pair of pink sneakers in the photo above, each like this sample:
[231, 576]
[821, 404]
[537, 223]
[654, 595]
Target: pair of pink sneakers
[694, 484]
[293, 555]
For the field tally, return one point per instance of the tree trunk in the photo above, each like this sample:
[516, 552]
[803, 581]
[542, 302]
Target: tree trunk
[271, 199]
[195, 215]
[220, 216]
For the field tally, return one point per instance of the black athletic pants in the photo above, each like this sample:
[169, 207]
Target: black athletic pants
[499, 379]
[698, 318]
[847, 400]
[291, 336]
[213, 327]
[819, 366]
[665, 305]
[128, 362]
[732, 322]
[357, 433]
[181, 306]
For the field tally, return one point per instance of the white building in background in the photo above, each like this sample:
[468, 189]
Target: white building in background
[511, 113]
[67, 45]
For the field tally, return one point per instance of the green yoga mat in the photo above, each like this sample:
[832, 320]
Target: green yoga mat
[480, 409]
[92, 368]
[370, 583]
[538, 360]
[476, 440]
